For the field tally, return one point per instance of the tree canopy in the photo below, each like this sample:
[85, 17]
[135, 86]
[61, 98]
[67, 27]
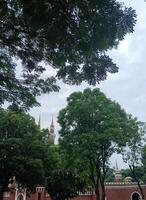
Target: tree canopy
[144, 162]
[138, 170]
[22, 154]
[92, 128]
[27, 154]
[70, 36]
[62, 182]
[133, 152]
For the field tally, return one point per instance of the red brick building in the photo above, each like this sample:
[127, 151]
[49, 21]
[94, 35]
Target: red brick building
[114, 191]
[118, 190]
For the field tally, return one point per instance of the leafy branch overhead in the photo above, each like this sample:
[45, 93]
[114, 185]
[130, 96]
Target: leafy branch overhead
[70, 36]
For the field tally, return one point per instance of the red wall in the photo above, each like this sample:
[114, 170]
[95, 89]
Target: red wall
[114, 192]
[122, 192]
[84, 197]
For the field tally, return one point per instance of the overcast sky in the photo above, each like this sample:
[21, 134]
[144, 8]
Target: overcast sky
[128, 86]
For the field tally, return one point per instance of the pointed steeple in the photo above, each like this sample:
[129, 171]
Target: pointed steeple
[52, 123]
[118, 175]
[52, 134]
[117, 168]
[39, 121]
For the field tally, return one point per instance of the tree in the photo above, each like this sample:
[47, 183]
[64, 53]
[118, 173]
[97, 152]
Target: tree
[61, 182]
[110, 176]
[143, 154]
[44, 135]
[70, 36]
[22, 154]
[92, 129]
[127, 173]
[144, 162]
[132, 152]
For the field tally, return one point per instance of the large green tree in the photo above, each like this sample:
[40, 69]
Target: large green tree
[144, 162]
[68, 35]
[22, 154]
[132, 153]
[92, 128]
[62, 182]
[138, 170]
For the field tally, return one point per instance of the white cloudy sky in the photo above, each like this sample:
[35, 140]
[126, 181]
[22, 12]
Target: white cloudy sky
[128, 87]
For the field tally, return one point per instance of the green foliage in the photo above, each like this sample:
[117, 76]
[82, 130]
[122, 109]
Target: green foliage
[17, 125]
[132, 152]
[22, 154]
[25, 152]
[92, 128]
[110, 177]
[70, 36]
[144, 162]
[61, 182]
[127, 173]
[44, 136]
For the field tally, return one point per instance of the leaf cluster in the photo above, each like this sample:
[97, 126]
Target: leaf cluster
[62, 181]
[22, 154]
[70, 36]
[93, 127]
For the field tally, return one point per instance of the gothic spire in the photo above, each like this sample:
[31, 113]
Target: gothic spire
[117, 168]
[118, 175]
[52, 123]
[52, 133]
[39, 121]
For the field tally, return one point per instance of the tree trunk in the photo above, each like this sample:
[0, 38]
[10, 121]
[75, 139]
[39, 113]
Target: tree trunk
[137, 180]
[97, 193]
[103, 193]
[141, 190]
[1, 192]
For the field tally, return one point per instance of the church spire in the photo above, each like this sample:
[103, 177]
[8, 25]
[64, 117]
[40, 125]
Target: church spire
[52, 123]
[39, 121]
[52, 133]
[118, 176]
[117, 168]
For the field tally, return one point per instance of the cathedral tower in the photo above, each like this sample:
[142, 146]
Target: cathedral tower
[52, 134]
[118, 175]
[39, 121]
